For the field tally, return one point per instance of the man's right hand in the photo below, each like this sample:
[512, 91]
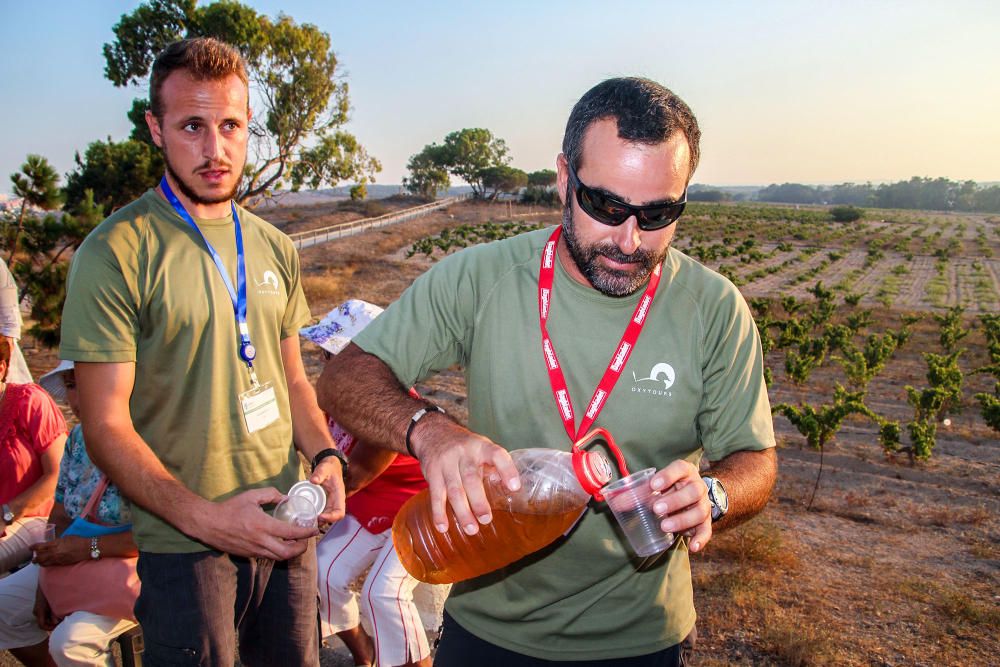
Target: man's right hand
[240, 527]
[454, 461]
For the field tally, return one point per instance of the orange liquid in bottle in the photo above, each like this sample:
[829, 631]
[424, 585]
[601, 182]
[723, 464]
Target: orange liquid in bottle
[444, 558]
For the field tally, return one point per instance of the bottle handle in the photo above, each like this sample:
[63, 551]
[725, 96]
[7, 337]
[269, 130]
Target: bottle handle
[578, 454]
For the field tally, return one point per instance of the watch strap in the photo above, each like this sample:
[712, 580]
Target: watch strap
[327, 453]
[417, 416]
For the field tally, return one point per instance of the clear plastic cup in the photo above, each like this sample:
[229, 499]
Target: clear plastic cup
[631, 501]
[50, 532]
[296, 510]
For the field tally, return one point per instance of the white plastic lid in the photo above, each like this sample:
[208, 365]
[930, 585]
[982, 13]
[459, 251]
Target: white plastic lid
[311, 492]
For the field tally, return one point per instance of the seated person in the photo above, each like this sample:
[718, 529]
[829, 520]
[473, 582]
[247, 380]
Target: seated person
[32, 436]
[81, 638]
[377, 486]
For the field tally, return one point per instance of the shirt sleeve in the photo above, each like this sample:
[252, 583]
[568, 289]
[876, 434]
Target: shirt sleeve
[100, 320]
[62, 483]
[430, 327]
[735, 413]
[297, 313]
[45, 422]
[10, 317]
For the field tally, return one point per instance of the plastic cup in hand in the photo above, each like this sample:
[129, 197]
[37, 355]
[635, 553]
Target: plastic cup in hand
[631, 500]
[50, 532]
[297, 511]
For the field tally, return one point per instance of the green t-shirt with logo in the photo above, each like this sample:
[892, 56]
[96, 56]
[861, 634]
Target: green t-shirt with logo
[143, 288]
[693, 385]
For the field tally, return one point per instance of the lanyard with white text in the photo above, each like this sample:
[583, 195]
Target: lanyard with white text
[238, 296]
[546, 276]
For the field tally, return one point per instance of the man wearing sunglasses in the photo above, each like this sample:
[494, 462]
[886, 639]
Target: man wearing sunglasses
[537, 321]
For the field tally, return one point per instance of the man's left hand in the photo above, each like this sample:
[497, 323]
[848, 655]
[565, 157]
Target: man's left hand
[683, 503]
[330, 475]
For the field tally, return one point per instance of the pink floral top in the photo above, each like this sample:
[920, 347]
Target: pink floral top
[29, 423]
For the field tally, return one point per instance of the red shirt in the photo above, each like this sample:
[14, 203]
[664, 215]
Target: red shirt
[29, 423]
[376, 505]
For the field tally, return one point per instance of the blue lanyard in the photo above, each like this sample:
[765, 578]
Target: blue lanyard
[239, 295]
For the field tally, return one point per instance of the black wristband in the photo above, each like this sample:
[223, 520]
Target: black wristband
[336, 453]
[417, 416]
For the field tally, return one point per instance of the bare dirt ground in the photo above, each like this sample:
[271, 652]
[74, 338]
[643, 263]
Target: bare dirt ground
[895, 564]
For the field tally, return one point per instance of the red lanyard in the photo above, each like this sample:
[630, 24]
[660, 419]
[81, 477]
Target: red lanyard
[546, 276]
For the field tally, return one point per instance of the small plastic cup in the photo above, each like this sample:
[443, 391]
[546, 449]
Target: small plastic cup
[50, 532]
[297, 511]
[631, 501]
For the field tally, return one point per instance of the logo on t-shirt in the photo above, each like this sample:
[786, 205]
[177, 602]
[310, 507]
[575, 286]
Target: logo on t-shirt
[269, 285]
[661, 374]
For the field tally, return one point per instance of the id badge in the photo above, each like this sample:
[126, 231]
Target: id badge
[260, 407]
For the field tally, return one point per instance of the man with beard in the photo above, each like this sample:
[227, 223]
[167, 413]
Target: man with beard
[683, 381]
[182, 316]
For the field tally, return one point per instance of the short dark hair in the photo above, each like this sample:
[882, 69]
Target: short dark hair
[5, 353]
[645, 111]
[204, 58]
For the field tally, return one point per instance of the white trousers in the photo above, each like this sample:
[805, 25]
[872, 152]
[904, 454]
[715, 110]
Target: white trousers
[82, 639]
[344, 553]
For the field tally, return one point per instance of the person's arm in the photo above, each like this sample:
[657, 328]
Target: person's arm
[378, 409]
[236, 525]
[748, 477]
[44, 487]
[69, 549]
[367, 463]
[310, 430]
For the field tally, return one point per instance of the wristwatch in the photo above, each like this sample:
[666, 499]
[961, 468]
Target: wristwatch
[95, 551]
[337, 454]
[8, 515]
[717, 496]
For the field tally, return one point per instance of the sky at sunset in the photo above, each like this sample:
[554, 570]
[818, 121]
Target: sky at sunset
[809, 92]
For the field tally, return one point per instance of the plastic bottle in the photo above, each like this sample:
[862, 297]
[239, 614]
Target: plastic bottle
[555, 489]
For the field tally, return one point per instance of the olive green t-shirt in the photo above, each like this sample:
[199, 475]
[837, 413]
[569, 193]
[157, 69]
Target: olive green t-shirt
[693, 385]
[143, 288]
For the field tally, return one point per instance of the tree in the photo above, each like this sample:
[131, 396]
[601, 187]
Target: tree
[428, 172]
[544, 178]
[41, 276]
[335, 158]
[503, 179]
[292, 69]
[37, 185]
[471, 151]
[846, 213]
[114, 173]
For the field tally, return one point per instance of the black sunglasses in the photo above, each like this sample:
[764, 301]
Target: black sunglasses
[604, 208]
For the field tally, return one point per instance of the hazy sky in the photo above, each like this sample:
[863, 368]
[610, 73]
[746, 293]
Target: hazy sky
[810, 92]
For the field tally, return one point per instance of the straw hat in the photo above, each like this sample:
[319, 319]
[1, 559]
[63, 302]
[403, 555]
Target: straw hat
[341, 324]
[53, 381]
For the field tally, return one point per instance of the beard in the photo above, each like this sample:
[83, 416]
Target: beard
[608, 281]
[188, 190]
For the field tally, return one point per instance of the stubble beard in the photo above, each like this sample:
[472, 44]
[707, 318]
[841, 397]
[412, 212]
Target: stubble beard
[190, 192]
[607, 281]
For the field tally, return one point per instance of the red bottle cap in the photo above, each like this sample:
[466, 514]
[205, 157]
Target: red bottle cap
[593, 470]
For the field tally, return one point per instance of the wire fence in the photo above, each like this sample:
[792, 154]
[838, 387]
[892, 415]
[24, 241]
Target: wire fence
[339, 231]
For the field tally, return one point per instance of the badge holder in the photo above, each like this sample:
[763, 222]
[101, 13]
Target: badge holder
[259, 403]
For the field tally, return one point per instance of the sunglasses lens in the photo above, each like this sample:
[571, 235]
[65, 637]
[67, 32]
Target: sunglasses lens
[657, 218]
[601, 208]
